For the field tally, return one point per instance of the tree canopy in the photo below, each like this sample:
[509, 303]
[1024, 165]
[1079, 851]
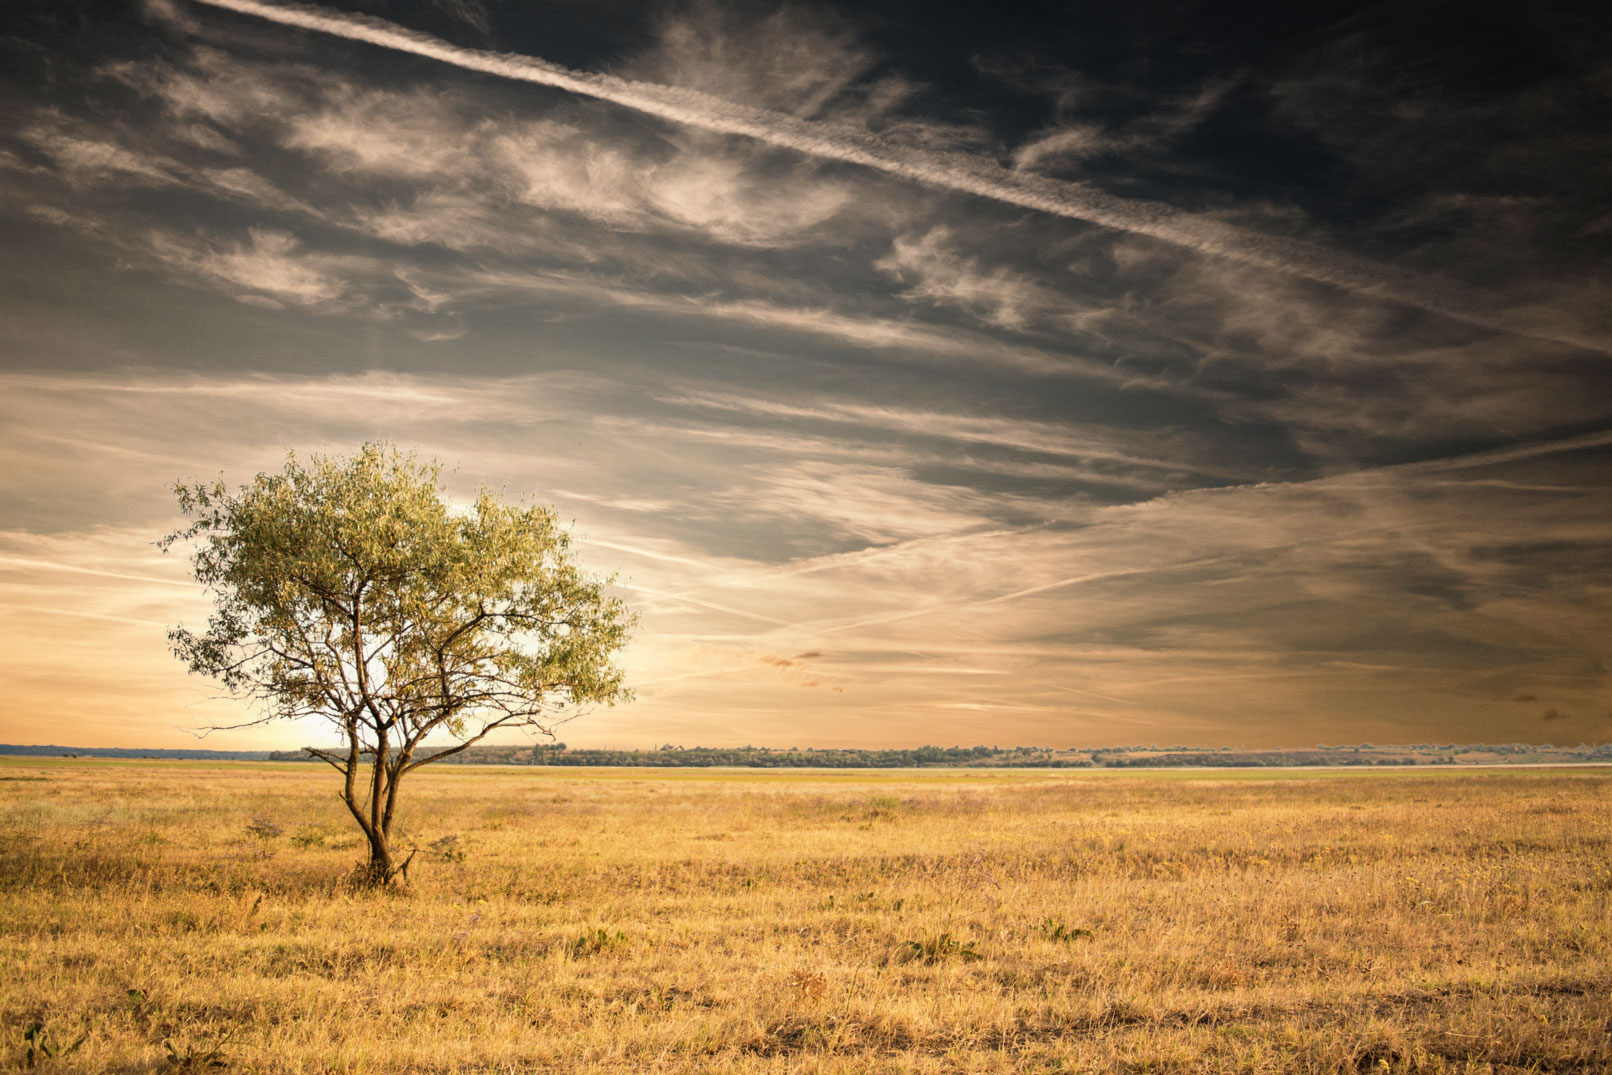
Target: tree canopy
[349, 589]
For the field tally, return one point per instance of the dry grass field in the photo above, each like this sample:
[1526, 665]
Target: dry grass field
[192, 916]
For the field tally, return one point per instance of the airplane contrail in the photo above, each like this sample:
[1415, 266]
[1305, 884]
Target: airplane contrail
[962, 172]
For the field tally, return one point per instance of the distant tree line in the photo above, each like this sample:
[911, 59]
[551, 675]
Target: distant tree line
[808, 757]
[1121, 757]
[1243, 759]
[171, 753]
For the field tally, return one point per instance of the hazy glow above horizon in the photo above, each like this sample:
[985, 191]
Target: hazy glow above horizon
[1288, 421]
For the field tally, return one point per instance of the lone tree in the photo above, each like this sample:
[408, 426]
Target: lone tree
[347, 589]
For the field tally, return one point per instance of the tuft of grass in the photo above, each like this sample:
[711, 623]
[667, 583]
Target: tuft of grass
[808, 984]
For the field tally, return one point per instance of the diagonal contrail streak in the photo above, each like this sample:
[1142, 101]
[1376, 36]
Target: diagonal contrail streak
[963, 172]
[687, 599]
[24, 563]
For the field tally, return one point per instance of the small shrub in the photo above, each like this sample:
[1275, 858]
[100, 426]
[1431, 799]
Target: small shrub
[938, 949]
[448, 848]
[1054, 930]
[196, 1056]
[594, 941]
[264, 829]
[40, 1044]
[882, 806]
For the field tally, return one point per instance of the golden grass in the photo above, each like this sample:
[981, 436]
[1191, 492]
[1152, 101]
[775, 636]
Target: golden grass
[739, 922]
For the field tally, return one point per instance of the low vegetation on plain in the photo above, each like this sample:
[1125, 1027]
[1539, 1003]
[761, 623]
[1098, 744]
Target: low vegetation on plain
[165, 916]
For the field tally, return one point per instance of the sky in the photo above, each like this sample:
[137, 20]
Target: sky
[1084, 374]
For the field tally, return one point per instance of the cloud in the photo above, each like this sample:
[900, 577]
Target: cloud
[886, 335]
[957, 463]
[1086, 444]
[278, 267]
[91, 608]
[215, 87]
[711, 190]
[1070, 139]
[472, 13]
[248, 186]
[90, 155]
[88, 160]
[591, 216]
[792, 58]
[953, 171]
[523, 214]
[404, 135]
[938, 274]
[87, 156]
[270, 268]
[455, 156]
[1410, 598]
[1349, 378]
[169, 13]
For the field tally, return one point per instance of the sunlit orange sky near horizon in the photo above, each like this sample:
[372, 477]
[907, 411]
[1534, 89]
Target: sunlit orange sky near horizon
[925, 373]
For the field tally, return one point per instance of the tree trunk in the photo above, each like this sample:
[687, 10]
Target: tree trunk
[381, 868]
[372, 809]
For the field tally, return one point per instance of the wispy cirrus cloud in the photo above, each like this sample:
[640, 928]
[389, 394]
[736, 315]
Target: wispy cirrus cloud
[1129, 449]
[446, 147]
[854, 426]
[954, 171]
[90, 160]
[789, 58]
[936, 273]
[1078, 131]
[524, 197]
[914, 595]
[269, 268]
[889, 335]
